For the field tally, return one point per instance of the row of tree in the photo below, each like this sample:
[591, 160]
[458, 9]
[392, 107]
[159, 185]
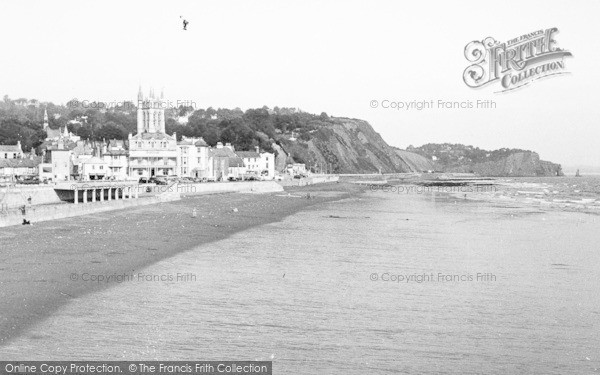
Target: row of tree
[22, 120]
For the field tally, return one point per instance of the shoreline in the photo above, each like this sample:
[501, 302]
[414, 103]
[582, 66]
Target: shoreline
[37, 261]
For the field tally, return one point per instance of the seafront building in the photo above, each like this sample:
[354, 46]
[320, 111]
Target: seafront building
[193, 158]
[258, 163]
[116, 157]
[151, 152]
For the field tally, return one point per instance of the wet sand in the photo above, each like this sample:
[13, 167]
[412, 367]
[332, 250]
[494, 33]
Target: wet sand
[41, 265]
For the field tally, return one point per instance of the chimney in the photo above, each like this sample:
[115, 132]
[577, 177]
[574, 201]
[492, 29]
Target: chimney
[19, 144]
[219, 145]
[229, 146]
[257, 149]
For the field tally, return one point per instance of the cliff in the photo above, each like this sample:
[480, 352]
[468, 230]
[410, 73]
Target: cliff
[345, 146]
[416, 162]
[497, 163]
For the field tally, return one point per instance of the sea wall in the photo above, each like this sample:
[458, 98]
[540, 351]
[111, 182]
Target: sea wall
[58, 210]
[63, 210]
[11, 197]
[309, 181]
[256, 187]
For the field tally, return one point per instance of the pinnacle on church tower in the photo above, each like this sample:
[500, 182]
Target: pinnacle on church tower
[150, 114]
[45, 119]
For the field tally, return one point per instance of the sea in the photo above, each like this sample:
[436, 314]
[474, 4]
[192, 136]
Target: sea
[383, 283]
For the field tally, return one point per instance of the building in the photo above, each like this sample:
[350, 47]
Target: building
[94, 168]
[258, 163]
[12, 169]
[11, 151]
[116, 156]
[193, 158]
[152, 152]
[57, 163]
[60, 133]
[224, 163]
[296, 169]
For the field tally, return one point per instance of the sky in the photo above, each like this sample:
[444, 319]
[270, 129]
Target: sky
[320, 56]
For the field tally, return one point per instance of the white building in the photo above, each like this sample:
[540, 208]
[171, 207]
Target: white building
[258, 163]
[11, 151]
[152, 152]
[93, 168]
[116, 157]
[193, 158]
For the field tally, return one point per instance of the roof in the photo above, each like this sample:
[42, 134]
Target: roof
[157, 136]
[93, 160]
[248, 154]
[223, 152]
[67, 147]
[201, 143]
[116, 152]
[184, 143]
[20, 163]
[10, 148]
[236, 162]
[116, 143]
[53, 133]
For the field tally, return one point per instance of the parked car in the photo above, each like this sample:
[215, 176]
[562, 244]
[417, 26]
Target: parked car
[30, 180]
[158, 181]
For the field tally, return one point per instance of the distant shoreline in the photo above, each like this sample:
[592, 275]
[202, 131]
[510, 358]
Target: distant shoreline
[38, 260]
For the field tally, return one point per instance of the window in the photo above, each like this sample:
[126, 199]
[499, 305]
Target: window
[101, 167]
[139, 144]
[14, 156]
[199, 160]
[152, 144]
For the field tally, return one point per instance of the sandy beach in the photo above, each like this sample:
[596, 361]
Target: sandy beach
[38, 262]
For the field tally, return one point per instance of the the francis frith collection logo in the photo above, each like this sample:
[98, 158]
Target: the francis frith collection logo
[515, 63]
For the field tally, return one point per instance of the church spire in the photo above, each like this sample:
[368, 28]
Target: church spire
[140, 95]
[45, 119]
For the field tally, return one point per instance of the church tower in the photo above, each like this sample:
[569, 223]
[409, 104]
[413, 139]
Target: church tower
[150, 114]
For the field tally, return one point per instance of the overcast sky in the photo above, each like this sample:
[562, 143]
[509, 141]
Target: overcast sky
[331, 56]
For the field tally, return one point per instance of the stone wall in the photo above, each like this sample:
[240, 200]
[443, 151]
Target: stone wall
[36, 214]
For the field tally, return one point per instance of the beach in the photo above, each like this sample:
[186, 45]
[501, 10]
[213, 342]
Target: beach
[376, 283]
[37, 262]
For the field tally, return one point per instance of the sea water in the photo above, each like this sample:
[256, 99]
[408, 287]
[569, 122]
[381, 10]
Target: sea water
[384, 283]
